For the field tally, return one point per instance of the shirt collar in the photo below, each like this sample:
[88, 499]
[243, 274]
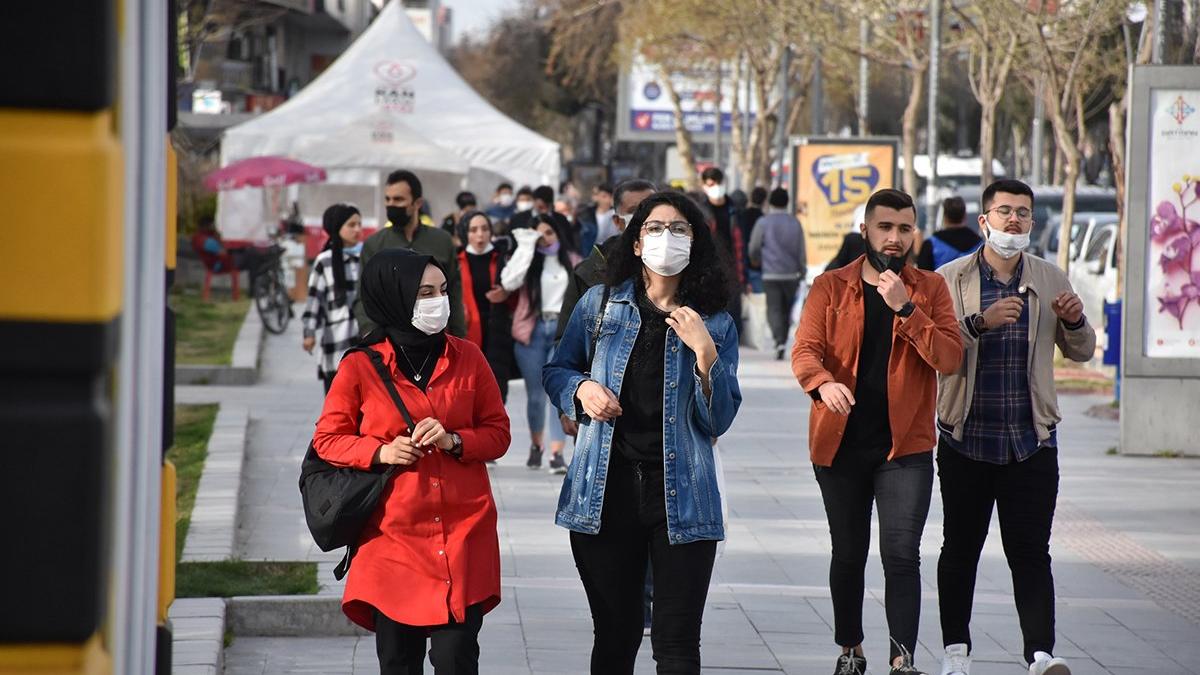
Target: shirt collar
[989, 273]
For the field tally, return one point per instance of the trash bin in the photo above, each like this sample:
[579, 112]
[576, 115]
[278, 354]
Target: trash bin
[1112, 329]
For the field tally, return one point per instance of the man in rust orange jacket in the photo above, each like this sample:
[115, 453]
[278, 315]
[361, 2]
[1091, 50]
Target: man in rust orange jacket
[871, 341]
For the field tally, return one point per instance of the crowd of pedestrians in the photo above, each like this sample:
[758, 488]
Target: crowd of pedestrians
[625, 316]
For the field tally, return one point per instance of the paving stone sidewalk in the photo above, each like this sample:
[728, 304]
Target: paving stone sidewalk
[1126, 549]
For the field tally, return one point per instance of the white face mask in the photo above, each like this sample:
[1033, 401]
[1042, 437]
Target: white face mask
[714, 192]
[523, 206]
[506, 200]
[625, 218]
[667, 254]
[431, 314]
[487, 248]
[1007, 245]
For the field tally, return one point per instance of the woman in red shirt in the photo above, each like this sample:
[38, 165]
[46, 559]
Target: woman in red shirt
[428, 561]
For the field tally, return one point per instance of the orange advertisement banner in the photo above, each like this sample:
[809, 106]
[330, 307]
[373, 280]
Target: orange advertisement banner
[831, 178]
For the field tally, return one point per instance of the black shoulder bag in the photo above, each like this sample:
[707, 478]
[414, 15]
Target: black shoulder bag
[339, 500]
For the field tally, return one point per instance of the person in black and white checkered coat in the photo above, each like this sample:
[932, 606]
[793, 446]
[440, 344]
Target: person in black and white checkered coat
[332, 286]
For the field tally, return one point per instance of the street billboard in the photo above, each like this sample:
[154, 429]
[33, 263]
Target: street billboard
[645, 111]
[1161, 248]
[1172, 309]
[831, 177]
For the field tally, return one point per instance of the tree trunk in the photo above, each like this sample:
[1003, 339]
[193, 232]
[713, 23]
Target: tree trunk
[683, 137]
[764, 151]
[1116, 147]
[1018, 151]
[916, 94]
[1059, 160]
[1068, 154]
[738, 136]
[987, 142]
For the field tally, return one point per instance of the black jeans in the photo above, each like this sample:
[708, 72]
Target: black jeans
[454, 647]
[612, 565]
[781, 295]
[902, 488]
[1025, 494]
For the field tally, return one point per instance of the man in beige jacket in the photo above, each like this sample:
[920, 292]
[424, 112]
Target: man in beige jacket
[996, 421]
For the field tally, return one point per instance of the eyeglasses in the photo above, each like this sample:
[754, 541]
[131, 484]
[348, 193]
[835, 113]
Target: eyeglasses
[654, 228]
[1023, 213]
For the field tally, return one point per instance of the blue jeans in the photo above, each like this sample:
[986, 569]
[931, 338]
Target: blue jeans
[530, 359]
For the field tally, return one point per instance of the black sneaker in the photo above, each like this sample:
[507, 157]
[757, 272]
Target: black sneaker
[851, 664]
[779, 352]
[557, 465]
[535, 457]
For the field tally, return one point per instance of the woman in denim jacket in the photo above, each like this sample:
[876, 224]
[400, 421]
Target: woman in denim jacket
[642, 482]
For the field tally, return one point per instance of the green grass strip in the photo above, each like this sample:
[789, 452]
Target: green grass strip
[230, 578]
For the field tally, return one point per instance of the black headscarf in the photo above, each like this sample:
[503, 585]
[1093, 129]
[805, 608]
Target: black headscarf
[464, 225]
[333, 220]
[388, 290]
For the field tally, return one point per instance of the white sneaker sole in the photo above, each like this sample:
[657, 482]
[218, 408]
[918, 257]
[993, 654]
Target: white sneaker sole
[1057, 669]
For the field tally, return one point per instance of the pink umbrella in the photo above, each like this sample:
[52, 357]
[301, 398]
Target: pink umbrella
[263, 172]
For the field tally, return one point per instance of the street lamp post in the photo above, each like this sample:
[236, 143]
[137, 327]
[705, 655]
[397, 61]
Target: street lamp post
[935, 47]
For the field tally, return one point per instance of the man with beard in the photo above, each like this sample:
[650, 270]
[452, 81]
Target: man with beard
[871, 341]
[403, 198]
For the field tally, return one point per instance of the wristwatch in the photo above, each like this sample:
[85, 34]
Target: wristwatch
[456, 449]
[978, 323]
[906, 310]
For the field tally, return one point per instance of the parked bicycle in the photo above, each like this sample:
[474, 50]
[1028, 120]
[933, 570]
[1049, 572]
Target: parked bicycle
[270, 291]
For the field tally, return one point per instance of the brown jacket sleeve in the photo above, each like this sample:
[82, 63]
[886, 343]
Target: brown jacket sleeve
[935, 337]
[808, 353]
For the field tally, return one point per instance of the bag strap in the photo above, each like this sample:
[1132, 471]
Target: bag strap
[377, 361]
[595, 337]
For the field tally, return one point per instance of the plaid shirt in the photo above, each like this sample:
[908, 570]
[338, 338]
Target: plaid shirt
[999, 428]
[339, 330]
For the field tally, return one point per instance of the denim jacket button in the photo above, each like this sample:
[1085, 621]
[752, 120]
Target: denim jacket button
[671, 456]
[672, 385]
[672, 419]
[672, 493]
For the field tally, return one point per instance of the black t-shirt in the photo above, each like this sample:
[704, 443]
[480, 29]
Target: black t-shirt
[868, 435]
[638, 434]
[724, 233]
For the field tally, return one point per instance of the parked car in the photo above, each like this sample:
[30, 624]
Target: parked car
[1082, 230]
[1094, 275]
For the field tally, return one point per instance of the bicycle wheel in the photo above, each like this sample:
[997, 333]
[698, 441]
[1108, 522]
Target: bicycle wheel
[284, 305]
[267, 301]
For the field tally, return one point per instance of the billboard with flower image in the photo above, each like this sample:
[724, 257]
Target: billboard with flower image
[1173, 249]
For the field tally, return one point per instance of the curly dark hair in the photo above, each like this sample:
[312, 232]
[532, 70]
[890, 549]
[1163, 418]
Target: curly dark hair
[705, 284]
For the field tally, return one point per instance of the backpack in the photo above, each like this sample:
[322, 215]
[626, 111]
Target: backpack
[944, 253]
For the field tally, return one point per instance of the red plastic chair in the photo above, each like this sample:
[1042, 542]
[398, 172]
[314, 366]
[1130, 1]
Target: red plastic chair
[233, 278]
[210, 260]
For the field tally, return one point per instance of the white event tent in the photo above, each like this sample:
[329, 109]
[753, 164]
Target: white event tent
[390, 101]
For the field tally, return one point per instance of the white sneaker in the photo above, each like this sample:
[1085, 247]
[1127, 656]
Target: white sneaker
[956, 660]
[1044, 664]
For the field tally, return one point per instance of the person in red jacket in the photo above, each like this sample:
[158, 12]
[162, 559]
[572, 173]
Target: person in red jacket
[427, 563]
